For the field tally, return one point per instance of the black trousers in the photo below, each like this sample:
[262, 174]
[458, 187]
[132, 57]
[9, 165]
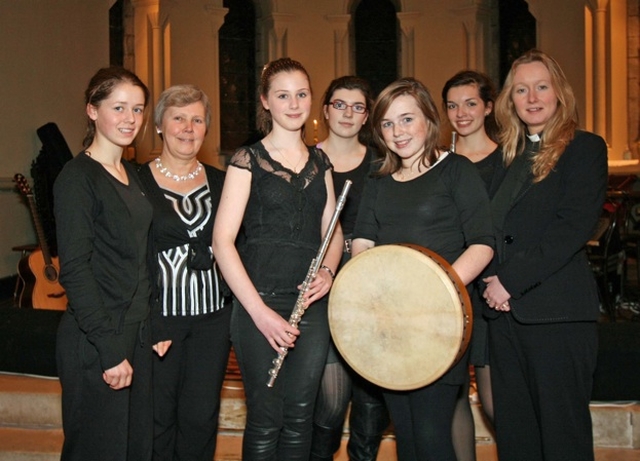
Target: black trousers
[542, 377]
[99, 423]
[279, 419]
[187, 383]
[422, 421]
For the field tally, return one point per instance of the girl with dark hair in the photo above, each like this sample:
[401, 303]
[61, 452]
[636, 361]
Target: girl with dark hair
[103, 346]
[425, 196]
[345, 110]
[541, 295]
[281, 193]
[468, 99]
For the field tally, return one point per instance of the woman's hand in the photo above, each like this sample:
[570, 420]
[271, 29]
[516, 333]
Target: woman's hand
[161, 347]
[496, 296]
[119, 376]
[319, 287]
[277, 330]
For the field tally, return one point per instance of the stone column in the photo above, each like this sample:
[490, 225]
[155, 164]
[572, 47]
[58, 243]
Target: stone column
[408, 22]
[145, 25]
[476, 21]
[341, 50]
[600, 71]
[276, 27]
[191, 55]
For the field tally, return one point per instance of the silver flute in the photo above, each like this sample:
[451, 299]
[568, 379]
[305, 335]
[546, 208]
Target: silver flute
[454, 137]
[298, 310]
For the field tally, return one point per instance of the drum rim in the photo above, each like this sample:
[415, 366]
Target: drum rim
[467, 319]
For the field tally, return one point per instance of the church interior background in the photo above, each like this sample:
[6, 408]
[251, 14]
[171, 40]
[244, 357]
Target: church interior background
[50, 50]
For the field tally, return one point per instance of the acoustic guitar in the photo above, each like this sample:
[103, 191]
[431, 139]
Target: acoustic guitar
[39, 271]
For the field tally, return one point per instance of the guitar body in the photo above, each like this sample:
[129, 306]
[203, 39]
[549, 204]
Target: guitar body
[39, 270]
[28, 281]
[47, 291]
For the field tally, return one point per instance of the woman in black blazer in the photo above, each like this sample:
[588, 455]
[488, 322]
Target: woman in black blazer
[542, 296]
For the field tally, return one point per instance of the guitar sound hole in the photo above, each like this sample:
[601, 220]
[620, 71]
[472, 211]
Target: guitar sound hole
[51, 273]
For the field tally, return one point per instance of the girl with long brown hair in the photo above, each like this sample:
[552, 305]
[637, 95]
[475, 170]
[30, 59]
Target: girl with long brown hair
[280, 192]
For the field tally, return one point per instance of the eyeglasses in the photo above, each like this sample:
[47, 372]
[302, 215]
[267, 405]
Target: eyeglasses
[358, 107]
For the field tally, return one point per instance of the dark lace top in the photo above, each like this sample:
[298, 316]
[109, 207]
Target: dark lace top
[282, 221]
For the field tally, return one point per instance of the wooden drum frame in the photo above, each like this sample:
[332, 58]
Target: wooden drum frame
[400, 316]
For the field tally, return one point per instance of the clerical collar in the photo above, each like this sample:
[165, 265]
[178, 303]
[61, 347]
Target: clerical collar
[534, 137]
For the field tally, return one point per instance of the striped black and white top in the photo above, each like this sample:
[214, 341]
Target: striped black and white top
[185, 291]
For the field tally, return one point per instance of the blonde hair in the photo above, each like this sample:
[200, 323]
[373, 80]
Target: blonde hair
[558, 131]
[411, 87]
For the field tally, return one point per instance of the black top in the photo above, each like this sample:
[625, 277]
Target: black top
[357, 176]
[445, 210]
[99, 252]
[138, 206]
[492, 170]
[283, 218]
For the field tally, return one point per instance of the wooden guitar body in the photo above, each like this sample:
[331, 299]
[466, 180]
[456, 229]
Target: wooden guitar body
[47, 291]
[28, 281]
[39, 270]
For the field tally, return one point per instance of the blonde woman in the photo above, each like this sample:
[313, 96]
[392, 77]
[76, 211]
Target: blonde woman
[542, 295]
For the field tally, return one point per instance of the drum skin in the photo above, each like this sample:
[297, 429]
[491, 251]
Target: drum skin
[400, 316]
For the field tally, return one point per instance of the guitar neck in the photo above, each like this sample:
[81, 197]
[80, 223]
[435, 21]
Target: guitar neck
[39, 230]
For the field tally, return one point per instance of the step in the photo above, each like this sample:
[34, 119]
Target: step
[30, 444]
[30, 424]
[30, 401]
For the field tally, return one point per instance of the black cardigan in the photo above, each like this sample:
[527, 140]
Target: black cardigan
[98, 253]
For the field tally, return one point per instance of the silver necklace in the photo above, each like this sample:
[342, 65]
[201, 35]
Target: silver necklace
[295, 167]
[164, 171]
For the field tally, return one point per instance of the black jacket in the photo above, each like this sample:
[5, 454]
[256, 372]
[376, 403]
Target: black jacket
[541, 230]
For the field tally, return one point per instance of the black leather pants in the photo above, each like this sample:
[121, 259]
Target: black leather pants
[367, 421]
[279, 419]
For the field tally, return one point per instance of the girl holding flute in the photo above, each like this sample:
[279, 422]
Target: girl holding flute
[276, 202]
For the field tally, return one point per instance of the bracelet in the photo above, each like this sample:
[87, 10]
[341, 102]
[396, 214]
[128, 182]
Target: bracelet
[333, 276]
